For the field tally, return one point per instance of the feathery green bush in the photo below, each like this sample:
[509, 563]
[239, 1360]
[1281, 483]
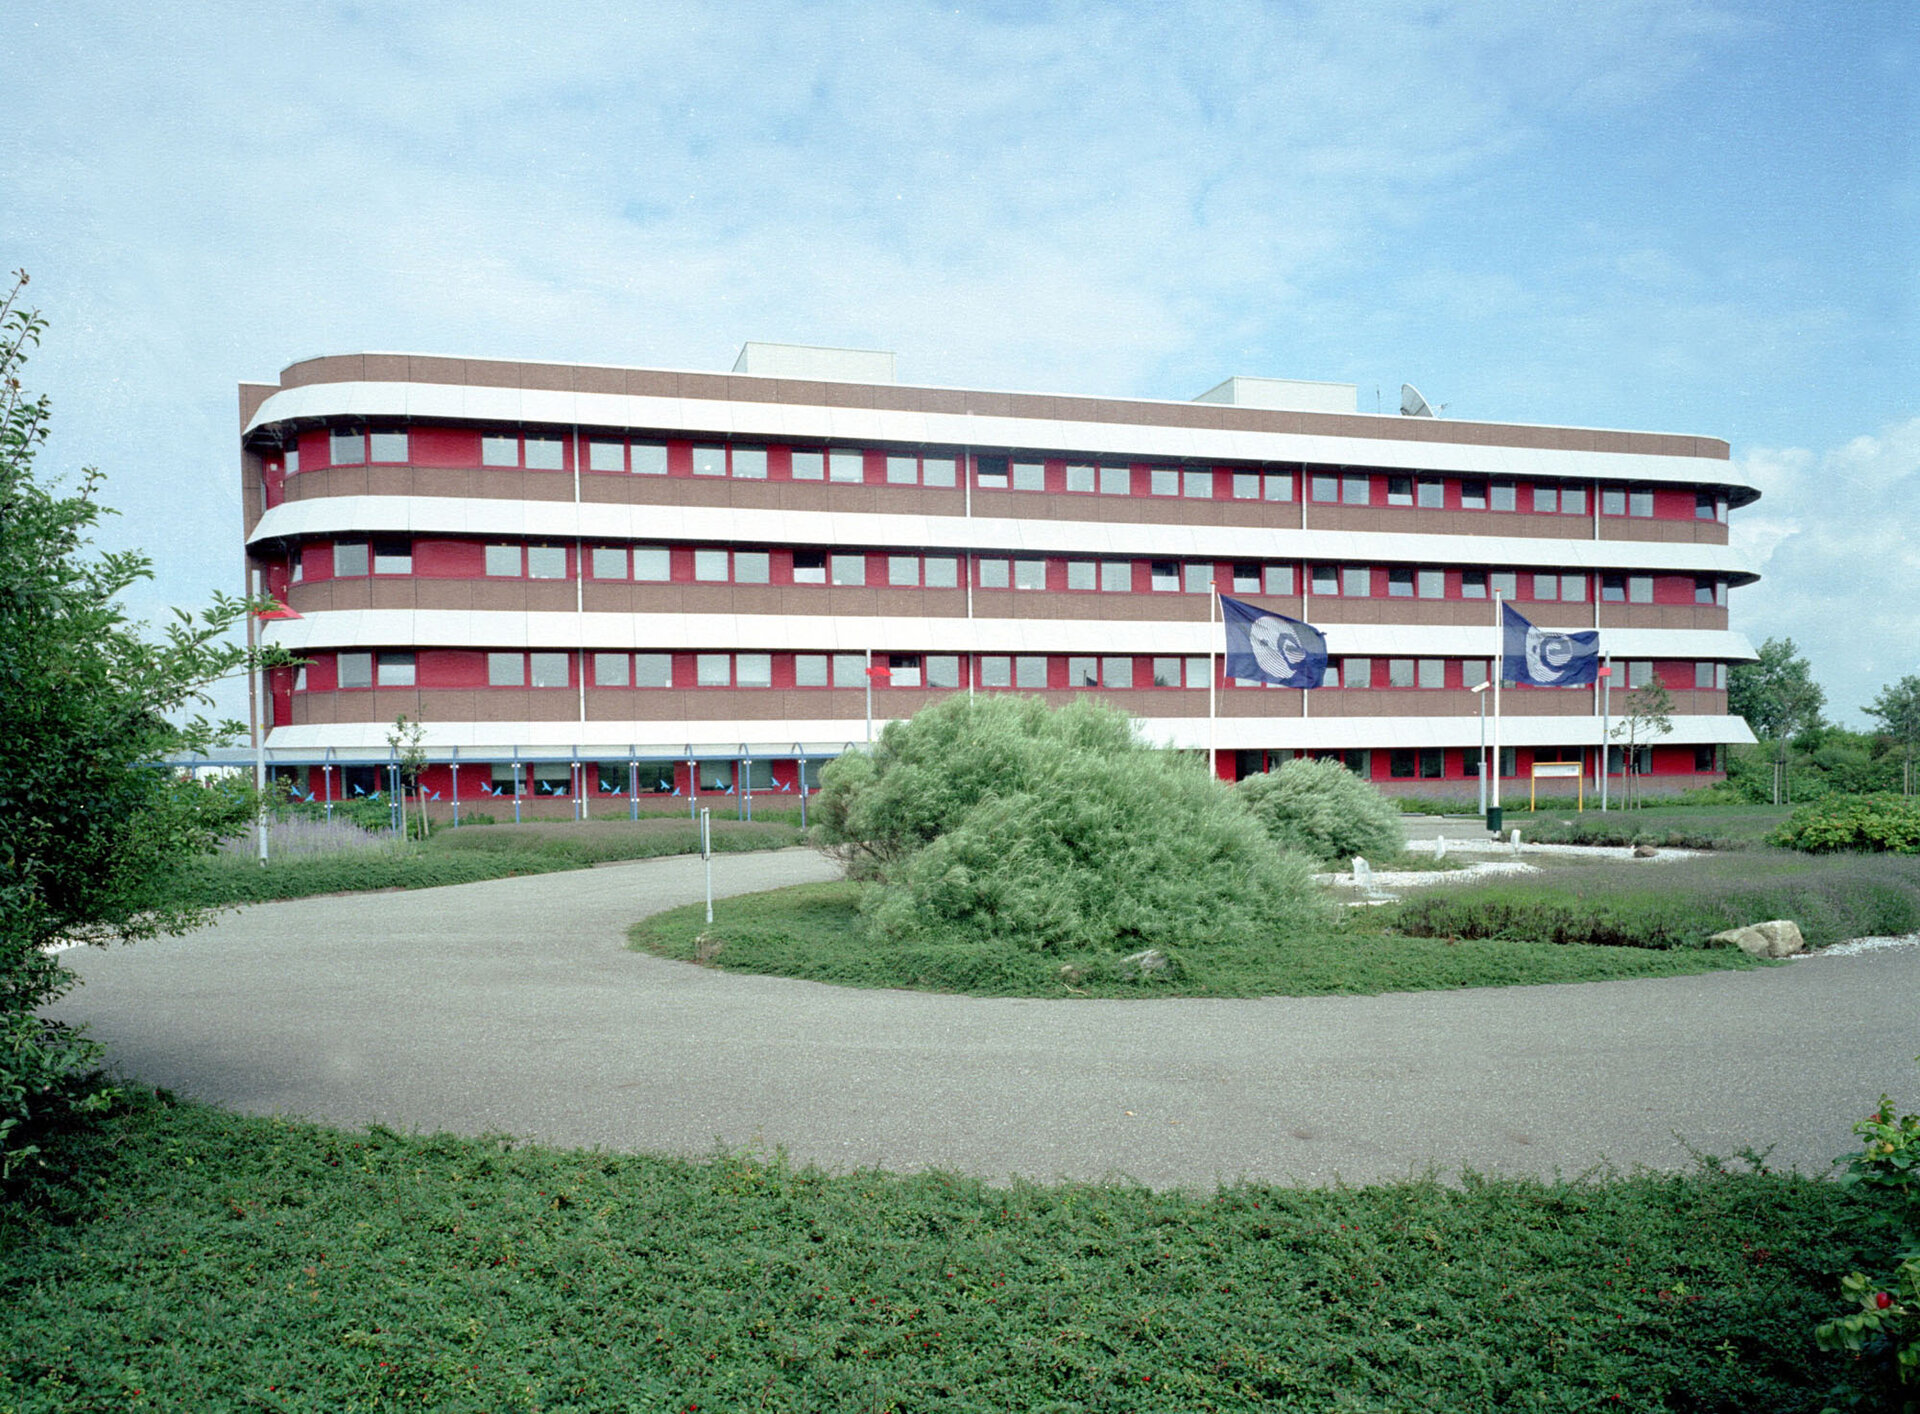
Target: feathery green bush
[1322, 809]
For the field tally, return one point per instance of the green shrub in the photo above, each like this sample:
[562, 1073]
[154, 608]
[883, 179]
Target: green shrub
[1322, 809]
[998, 819]
[1882, 824]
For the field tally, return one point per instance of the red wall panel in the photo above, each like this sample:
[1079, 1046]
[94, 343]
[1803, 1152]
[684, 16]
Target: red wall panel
[445, 446]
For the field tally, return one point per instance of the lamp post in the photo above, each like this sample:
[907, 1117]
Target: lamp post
[1606, 723]
[1481, 693]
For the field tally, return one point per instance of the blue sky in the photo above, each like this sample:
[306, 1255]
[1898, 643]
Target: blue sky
[1686, 217]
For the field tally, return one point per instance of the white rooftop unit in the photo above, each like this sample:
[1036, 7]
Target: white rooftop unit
[1284, 395]
[817, 364]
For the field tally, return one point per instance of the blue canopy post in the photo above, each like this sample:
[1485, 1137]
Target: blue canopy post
[800, 764]
[516, 786]
[456, 787]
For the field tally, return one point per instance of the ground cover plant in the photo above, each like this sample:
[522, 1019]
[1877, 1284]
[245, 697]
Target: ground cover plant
[1881, 823]
[206, 1261]
[1675, 904]
[1005, 822]
[464, 856]
[1709, 824]
[815, 932]
[1322, 809]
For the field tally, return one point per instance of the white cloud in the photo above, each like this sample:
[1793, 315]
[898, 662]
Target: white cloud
[1834, 535]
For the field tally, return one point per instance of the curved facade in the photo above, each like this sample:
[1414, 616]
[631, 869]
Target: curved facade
[598, 584]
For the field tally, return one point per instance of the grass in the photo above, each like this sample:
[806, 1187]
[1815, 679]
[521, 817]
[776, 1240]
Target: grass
[1706, 826]
[463, 856]
[209, 1262]
[814, 931]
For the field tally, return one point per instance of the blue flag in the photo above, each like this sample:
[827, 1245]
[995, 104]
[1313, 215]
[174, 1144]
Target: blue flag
[1545, 657]
[1269, 647]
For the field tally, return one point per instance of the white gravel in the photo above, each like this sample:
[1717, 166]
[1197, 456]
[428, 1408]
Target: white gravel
[1854, 946]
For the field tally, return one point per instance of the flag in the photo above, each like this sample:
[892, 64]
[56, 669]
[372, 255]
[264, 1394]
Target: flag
[1271, 647]
[274, 609]
[1545, 657]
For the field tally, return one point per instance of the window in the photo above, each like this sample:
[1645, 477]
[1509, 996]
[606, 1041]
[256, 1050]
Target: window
[1573, 588]
[1166, 672]
[499, 451]
[1199, 672]
[1433, 584]
[991, 473]
[943, 670]
[849, 570]
[1163, 481]
[1501, 496]
[1196, 485]
[1246, 486]
[1082, 574]
[1164, 576]
[1613, 589]
[752, 566]
[1199, 577]
[609, 562]
[1325, 486]
[351, 559]
[1080, 478]
[647, 458]
[653, 670]
[903, 669]
[1116, 481]
[846, 466]
[652, 563]
[1246, 577]
[1356, 488]
[610, 777]
[1029, 574]
[809, 670]
[606, 456]
[506, 778]
[1359, 672]
[713, 669]
[1279, 486]
[1546, 500]
[1430, 493]
[809, 466]
[709, 461]
[903, 571]
[1029, 476]
[710, 566]
[1703, 591]
[1279, 579]
[546, 562]
[356, 669]
[1639, 673]
[1432, 672]
[506, 670]
[809, 567]
[1639, 589]
[503, 561]
[1030, 673]
[903, 471]
[551, 777]
[1116, 576]
[1719, 677]
[750, 463]
[395, 669]
[1399, 584]
[1473, 494]
[1573, 500]
[387, 445]
[293, 461]
[548, 669]
[1473, 672]
[1613, 501]
[347, 448]
[1356, 581]
[611, 670]
[1399, 672]
[1473, 584]
[1505, 583]
[1703, 675]
[941, 572]
[1706, 506]
[1639, 503]
[850, 670]
[546, 453]
[1400, 764]
[1546, 586]
[996, 671]
[1399, 490]
[753, 670]
[996, 574]
[296, 567]
[1083, 672]
[716, 775]
[936, 471]
[1326, 579]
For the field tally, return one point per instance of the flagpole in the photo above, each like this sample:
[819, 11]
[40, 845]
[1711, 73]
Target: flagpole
[1213, 676]
[1498, 665]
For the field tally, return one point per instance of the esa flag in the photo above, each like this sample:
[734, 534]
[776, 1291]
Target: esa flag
[1545, 657]
[1270, 647]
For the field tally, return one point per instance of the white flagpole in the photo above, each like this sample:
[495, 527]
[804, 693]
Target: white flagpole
[1213, 675]
[1498, 665]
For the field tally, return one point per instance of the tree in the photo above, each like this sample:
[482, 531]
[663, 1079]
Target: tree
[1779, 698]
[1647, 715]
[90, 826]
[411, 755]
[1897, 709]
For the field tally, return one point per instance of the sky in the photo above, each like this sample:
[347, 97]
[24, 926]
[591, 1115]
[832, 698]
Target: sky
[1642, 214]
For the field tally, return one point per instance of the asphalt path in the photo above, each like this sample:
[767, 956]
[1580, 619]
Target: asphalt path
[514, 1007]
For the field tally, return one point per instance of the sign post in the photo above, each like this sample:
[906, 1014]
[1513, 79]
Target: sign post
[706, 853]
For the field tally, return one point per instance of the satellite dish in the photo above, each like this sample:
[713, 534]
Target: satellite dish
[1412, 404]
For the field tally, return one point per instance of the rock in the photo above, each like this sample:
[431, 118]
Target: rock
[1362, 874]
[1644, 851]
[1071, 975]
[1779, 937]
[1150, 961]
